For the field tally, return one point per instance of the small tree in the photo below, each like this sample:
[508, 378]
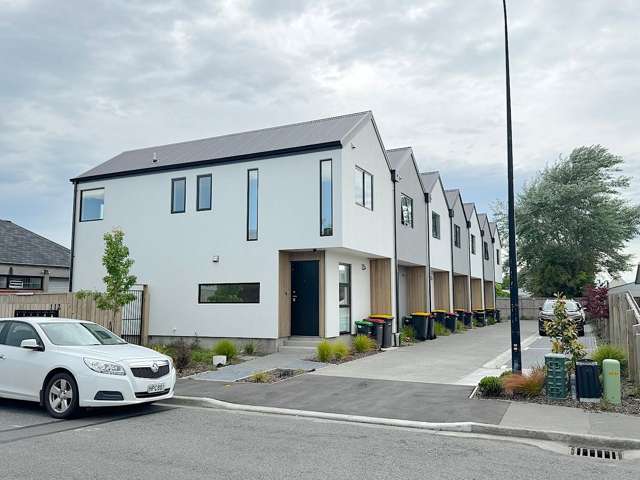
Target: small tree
[597, 301]
[563, 332]
[117, 281]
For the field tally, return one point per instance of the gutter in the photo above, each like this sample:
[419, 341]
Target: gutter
[73, 234]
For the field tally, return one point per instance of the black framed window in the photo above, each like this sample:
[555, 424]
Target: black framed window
[363, 188]
[435, 225]
[473, 244]
[456, 235]
[19, 331]
[406, 210]
[344, 297]
[178, 195]
[498, 256]
[204, 190]
[20, 282]
[252, 204]
[326, 198]
[229, 293]
[486, 250]
[91, 204]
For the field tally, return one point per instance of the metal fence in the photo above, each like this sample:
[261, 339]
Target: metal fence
[132, 314]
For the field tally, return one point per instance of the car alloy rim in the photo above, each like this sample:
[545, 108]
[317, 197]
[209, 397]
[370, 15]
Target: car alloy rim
[60, 396]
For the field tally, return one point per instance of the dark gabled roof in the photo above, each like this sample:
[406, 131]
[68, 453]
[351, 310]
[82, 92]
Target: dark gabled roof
[20, 246]
[397, 156]
[493, 226]
[326, 133]
[429, 180]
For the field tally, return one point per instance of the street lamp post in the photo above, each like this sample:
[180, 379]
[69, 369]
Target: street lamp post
[516, 355]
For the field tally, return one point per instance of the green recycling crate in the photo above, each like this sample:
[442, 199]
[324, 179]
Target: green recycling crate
[556, 381]
[364, 327]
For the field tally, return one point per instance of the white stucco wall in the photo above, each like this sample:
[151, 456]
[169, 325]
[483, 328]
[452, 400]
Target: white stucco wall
[412, 241]
[488, 264]
[460, 255]
[440, 248]
[476, 260]
[503, 257]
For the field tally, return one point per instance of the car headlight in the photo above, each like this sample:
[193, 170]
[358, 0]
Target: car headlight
[102, 366]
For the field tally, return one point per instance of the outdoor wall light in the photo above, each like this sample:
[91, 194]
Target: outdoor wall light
[363, 266]
[215, 259]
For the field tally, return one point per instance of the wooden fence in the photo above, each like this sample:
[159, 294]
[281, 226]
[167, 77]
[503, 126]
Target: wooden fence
[67, 304]
[623, 330]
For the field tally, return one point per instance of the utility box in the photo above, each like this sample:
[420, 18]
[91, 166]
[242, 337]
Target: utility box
[611, 381]
[588, 387]
[556, 382]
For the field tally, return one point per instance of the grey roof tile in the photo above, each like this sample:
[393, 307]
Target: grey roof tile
[23, 247]
[299, 136]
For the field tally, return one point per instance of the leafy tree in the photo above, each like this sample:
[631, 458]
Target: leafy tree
[573, 222]
[117, 281]
[563, 332]
[597, 301]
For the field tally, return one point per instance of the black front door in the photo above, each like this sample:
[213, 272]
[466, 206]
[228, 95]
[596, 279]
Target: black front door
[305, 298]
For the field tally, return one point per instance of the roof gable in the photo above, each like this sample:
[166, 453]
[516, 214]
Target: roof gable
[429, 181]
[20, 246]
[319, 134]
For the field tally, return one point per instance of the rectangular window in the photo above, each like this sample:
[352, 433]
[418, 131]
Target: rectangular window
[406, 210]
[3, 282]
[344, 297]
[456, 235]
[91, 204]
[473, 244]
[498, 256]
[178, 195]
[435, 225]
[20, 282]
[229, 293]
[326, 198]
[204, 192]
[363, 188]
[252, 204]
[486, 250]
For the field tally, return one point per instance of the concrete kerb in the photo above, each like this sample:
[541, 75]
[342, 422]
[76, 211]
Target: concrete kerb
[583, 440]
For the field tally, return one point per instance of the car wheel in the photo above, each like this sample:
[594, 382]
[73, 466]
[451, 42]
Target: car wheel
[61, 396]
[581, 333]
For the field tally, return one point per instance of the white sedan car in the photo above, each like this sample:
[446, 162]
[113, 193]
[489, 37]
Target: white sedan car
[66, 364]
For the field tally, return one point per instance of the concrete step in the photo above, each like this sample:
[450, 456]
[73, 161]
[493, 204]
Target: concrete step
[311, 342]
[302, 350]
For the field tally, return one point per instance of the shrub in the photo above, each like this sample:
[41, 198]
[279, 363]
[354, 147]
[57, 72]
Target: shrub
[610, 351]
[563, 332]
[182, 354]
[261, 377]
[407, 334]
[201, 355]
[250, 348]
[491, 320]
[528, 385]
[490, 387]
[160, 348]
[441, 330]
[226, 347]
[324, 351]
[460, 327]
[362, 344]
[505, 373]
[339, 350]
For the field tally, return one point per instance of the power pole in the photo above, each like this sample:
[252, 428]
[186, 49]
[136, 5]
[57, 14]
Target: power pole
[516, 354]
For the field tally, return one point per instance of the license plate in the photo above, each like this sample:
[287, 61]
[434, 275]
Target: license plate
[155, 388]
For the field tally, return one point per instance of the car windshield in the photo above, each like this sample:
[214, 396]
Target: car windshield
[571, 305]
[72, 334]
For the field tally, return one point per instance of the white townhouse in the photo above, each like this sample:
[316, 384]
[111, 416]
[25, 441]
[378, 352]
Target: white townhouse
[475, 257]
[459, 251]
[411, 233]
[497, 251]
[488, 274]
[440, 260]
[267, 234]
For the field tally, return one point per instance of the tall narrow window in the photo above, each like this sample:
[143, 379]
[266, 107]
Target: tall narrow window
[91, 204]
[435, 225]
[456, 235]
[498, 256]
[252, 204]
[178, 195]
[344, 296]
[204, 192]
[363, 188]
[486, 250]
[326, 198]
[473, 244]
[406, 210]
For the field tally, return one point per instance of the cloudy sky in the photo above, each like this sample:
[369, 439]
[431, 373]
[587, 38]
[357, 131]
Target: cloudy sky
[84, 80]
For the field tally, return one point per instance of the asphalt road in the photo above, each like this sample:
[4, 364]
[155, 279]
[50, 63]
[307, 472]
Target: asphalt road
[159, 442]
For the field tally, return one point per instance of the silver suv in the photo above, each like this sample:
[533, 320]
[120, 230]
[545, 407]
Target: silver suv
[574, 310]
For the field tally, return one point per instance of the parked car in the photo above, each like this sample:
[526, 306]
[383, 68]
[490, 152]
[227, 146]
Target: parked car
[574, 311]
[68, 364]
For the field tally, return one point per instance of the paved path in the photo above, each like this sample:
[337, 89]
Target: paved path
[452, 360]
[231, 373]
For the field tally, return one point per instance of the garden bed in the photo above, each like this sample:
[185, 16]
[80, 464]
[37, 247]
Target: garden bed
[348, 358]
[272, 376]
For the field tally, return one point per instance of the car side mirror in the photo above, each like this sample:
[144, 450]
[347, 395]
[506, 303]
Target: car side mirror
[30, 344]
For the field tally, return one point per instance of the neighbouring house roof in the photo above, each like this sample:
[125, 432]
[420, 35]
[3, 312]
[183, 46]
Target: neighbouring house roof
[452, 196]
[325, 133]
[429, 180]
[484, 220]
[468, 209]
[19, 246]
[398, 156]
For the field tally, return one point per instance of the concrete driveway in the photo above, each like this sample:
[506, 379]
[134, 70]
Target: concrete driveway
[459, 359]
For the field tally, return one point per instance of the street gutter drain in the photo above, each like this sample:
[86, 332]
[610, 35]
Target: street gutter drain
[601, 453]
